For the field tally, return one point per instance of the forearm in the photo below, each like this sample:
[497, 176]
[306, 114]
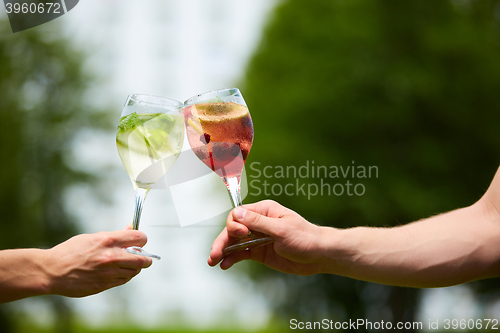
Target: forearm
[444, 250]
[22, 274]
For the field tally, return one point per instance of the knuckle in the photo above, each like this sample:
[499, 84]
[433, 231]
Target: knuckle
[232, 225]
[106, 239]
[108, 257]
[139, 262]
[269, 202]
[230, 217]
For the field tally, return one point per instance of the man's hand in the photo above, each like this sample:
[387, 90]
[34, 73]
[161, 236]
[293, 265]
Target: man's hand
[296, 248]
[443, 250]
[90, 263]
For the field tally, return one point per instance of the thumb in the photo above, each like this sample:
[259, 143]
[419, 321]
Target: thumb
[255, 221]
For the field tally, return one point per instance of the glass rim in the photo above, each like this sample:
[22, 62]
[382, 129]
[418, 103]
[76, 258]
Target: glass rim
[154, 100]
[225, 92]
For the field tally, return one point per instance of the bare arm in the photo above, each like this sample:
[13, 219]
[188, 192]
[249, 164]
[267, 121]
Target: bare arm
[448, 249]
[81, 266]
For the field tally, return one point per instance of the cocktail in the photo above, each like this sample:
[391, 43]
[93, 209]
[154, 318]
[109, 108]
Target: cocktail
[220, 133]
[149, 139]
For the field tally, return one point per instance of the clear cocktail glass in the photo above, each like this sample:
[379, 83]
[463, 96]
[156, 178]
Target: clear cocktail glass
[149, 139]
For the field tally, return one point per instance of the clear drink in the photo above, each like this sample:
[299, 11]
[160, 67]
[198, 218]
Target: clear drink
[148, 145]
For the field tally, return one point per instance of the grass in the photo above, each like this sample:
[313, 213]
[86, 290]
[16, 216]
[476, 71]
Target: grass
[23, 327]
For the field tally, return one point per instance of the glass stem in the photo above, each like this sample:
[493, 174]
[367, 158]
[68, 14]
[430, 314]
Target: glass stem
[233, 185]
[140, 196]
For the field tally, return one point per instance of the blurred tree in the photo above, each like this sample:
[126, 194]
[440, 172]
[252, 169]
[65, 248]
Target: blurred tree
[410, 87]
[41, 107]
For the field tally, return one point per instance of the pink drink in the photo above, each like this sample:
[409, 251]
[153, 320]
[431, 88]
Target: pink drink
[221, 135]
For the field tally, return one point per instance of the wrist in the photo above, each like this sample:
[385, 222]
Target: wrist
[43, 285]
[488, 207]
[22, 274]
[333, 250]
[31, 278]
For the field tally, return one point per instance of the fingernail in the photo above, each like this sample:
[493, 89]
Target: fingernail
[239, 213]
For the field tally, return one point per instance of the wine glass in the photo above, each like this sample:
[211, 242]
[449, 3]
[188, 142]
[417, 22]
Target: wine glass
[220, 133]
[149, 139]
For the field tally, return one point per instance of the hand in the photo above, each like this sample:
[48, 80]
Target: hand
[90, 263]
[296, 248]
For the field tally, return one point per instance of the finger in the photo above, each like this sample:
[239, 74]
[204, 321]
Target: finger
[262, 207]
[129, 227]
[129, 273]
[268, 208]
[114, 273]
[219, 243]
[256, 222]
[134, 261]
[147, 262]
[233, 258]
[123, 259]
[122, 273]
[126, 238]
[120, 281]
[235, 229]
[211, 262]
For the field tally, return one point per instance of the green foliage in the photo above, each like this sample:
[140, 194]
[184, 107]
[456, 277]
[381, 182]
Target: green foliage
[128, 327]
[42, 83]
[38, 79]
[408, 86]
